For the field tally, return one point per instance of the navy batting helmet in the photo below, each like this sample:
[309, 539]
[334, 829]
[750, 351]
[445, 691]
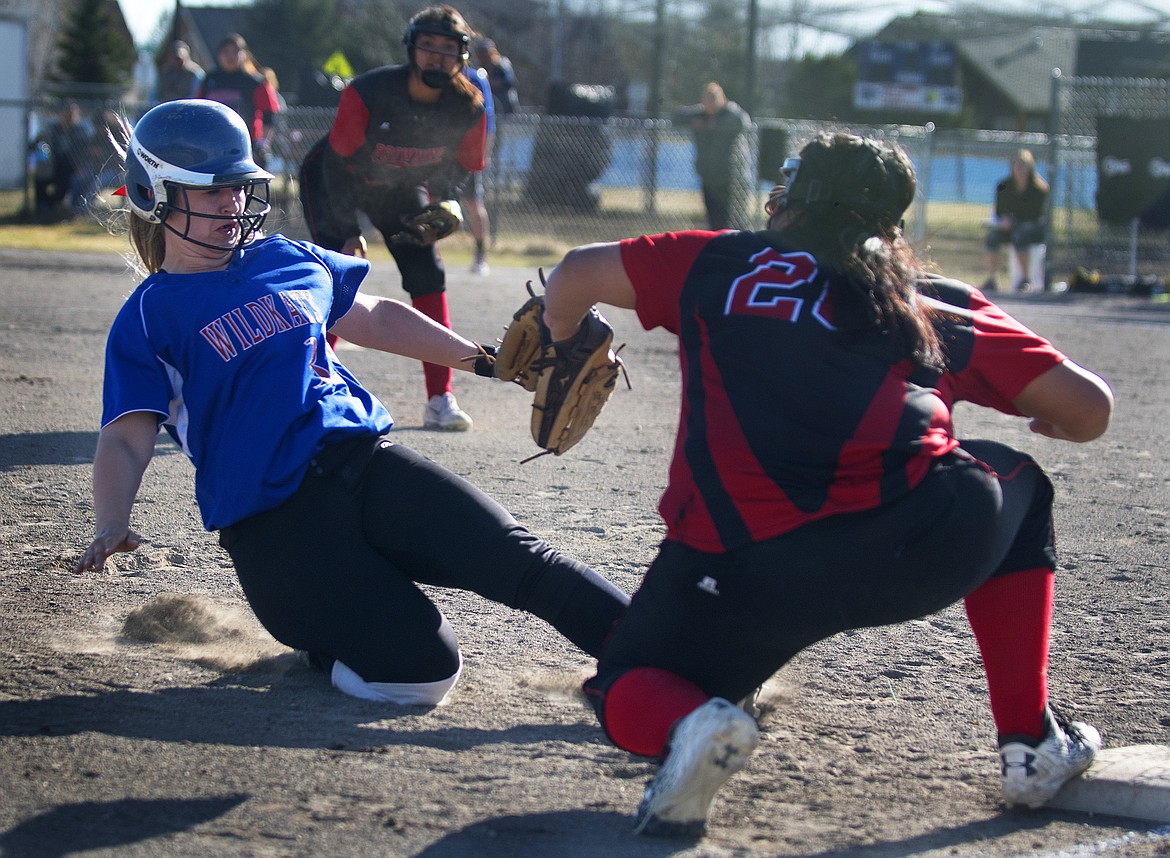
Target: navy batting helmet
[193, 143]
[443, 21]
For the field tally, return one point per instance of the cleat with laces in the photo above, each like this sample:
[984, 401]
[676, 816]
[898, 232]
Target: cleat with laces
[705, 748]
[443, 412]
[1033, 772]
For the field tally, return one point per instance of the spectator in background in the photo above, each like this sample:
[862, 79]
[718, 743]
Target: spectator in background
[500, 76]
[1021, 217]
[722, 156]
[473, 197]
[179, 76]
[237, 82]
[61, 154]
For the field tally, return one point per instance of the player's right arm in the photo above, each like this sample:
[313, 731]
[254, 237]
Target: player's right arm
[124, 449]
[587, 275]
[1068, 402]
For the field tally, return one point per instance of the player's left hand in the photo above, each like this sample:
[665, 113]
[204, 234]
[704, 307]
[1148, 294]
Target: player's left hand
[107, 542]
[435, 222]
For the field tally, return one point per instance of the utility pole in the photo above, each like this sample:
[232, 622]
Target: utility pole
[753, 26]
[658, 59]
[654, 108]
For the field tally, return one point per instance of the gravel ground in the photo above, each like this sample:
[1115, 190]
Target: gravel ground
[212, 741]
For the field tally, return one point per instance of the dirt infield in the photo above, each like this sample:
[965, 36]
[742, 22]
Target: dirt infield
[195, 734]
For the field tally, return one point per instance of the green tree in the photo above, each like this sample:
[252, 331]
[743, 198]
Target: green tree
[372, 37]
[709, 48]
[292, 35]
[93, 49]
[819, 88]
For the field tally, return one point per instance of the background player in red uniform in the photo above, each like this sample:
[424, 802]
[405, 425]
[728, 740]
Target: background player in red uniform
[331, 527]
[817, 484]
[404, 137]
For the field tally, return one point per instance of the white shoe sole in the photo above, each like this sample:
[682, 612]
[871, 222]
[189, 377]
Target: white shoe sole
[1033, 776]
[706, 748]
[456, 424]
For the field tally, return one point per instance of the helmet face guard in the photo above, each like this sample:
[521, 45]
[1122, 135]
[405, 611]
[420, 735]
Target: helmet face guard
[250, 220]
[194, 144]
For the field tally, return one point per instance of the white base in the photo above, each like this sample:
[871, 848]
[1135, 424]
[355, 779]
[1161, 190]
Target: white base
[1133, 782]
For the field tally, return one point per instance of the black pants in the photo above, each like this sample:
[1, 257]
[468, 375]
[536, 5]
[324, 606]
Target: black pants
[330, 225]
[334, 570]
[727, 622]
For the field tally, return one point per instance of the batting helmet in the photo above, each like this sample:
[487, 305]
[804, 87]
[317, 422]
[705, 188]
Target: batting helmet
[193, 143]
[439, 21]
[442, 20]
[851, 173]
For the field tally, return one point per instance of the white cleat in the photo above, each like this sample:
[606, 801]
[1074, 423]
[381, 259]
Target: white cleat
[1032, 776]
[443, 412]
[705, 749]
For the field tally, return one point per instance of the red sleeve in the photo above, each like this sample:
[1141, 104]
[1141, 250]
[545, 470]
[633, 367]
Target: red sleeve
[471, 152]
[658, 266]
[349, 127]
[1007, 357]
[264, 99]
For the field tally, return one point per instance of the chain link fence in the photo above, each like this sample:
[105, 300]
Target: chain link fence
[556, 181]
[1110, 149]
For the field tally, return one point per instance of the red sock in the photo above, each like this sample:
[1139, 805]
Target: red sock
[438, 378]
[642, 706]
[1011, 616]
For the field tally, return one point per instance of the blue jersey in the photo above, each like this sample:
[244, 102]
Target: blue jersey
[784, 421]
[236, 365]
[479, 77]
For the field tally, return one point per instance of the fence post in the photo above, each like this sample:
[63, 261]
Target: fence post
[1054, 124]
[924, 184]
[650, 170]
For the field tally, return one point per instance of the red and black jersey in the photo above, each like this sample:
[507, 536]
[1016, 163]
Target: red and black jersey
[387, 140]
[247, 93]
[785, 420]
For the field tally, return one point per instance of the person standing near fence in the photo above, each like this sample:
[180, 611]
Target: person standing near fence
[473, 196]
[501, 76]
[818, 484]
[240, 84]
[405, 138]
[722, 156]
[179, 76]
[1021, 219]
[61, 153]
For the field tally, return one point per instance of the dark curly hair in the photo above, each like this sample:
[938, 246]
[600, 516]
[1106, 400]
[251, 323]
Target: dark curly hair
[846, 202]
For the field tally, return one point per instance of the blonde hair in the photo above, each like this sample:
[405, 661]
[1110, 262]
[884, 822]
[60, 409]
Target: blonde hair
[146, 239]
[149, 243]
[1027, 159]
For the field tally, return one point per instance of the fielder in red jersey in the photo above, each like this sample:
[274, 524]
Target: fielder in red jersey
[817, 484]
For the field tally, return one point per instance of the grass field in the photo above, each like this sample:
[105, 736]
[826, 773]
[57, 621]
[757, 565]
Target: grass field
[524, 238]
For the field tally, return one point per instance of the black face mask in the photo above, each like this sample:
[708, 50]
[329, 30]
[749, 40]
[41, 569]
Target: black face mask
[436, 78]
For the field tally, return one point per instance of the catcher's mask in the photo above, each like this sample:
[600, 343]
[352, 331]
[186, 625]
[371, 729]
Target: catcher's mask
[442, 21]
[848, 172]
[197, 144]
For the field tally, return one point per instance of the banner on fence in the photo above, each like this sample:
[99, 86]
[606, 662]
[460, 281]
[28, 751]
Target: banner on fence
[916, 76]
[1133, 166]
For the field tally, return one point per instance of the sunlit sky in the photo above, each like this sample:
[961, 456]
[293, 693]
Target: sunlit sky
[835, 21]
